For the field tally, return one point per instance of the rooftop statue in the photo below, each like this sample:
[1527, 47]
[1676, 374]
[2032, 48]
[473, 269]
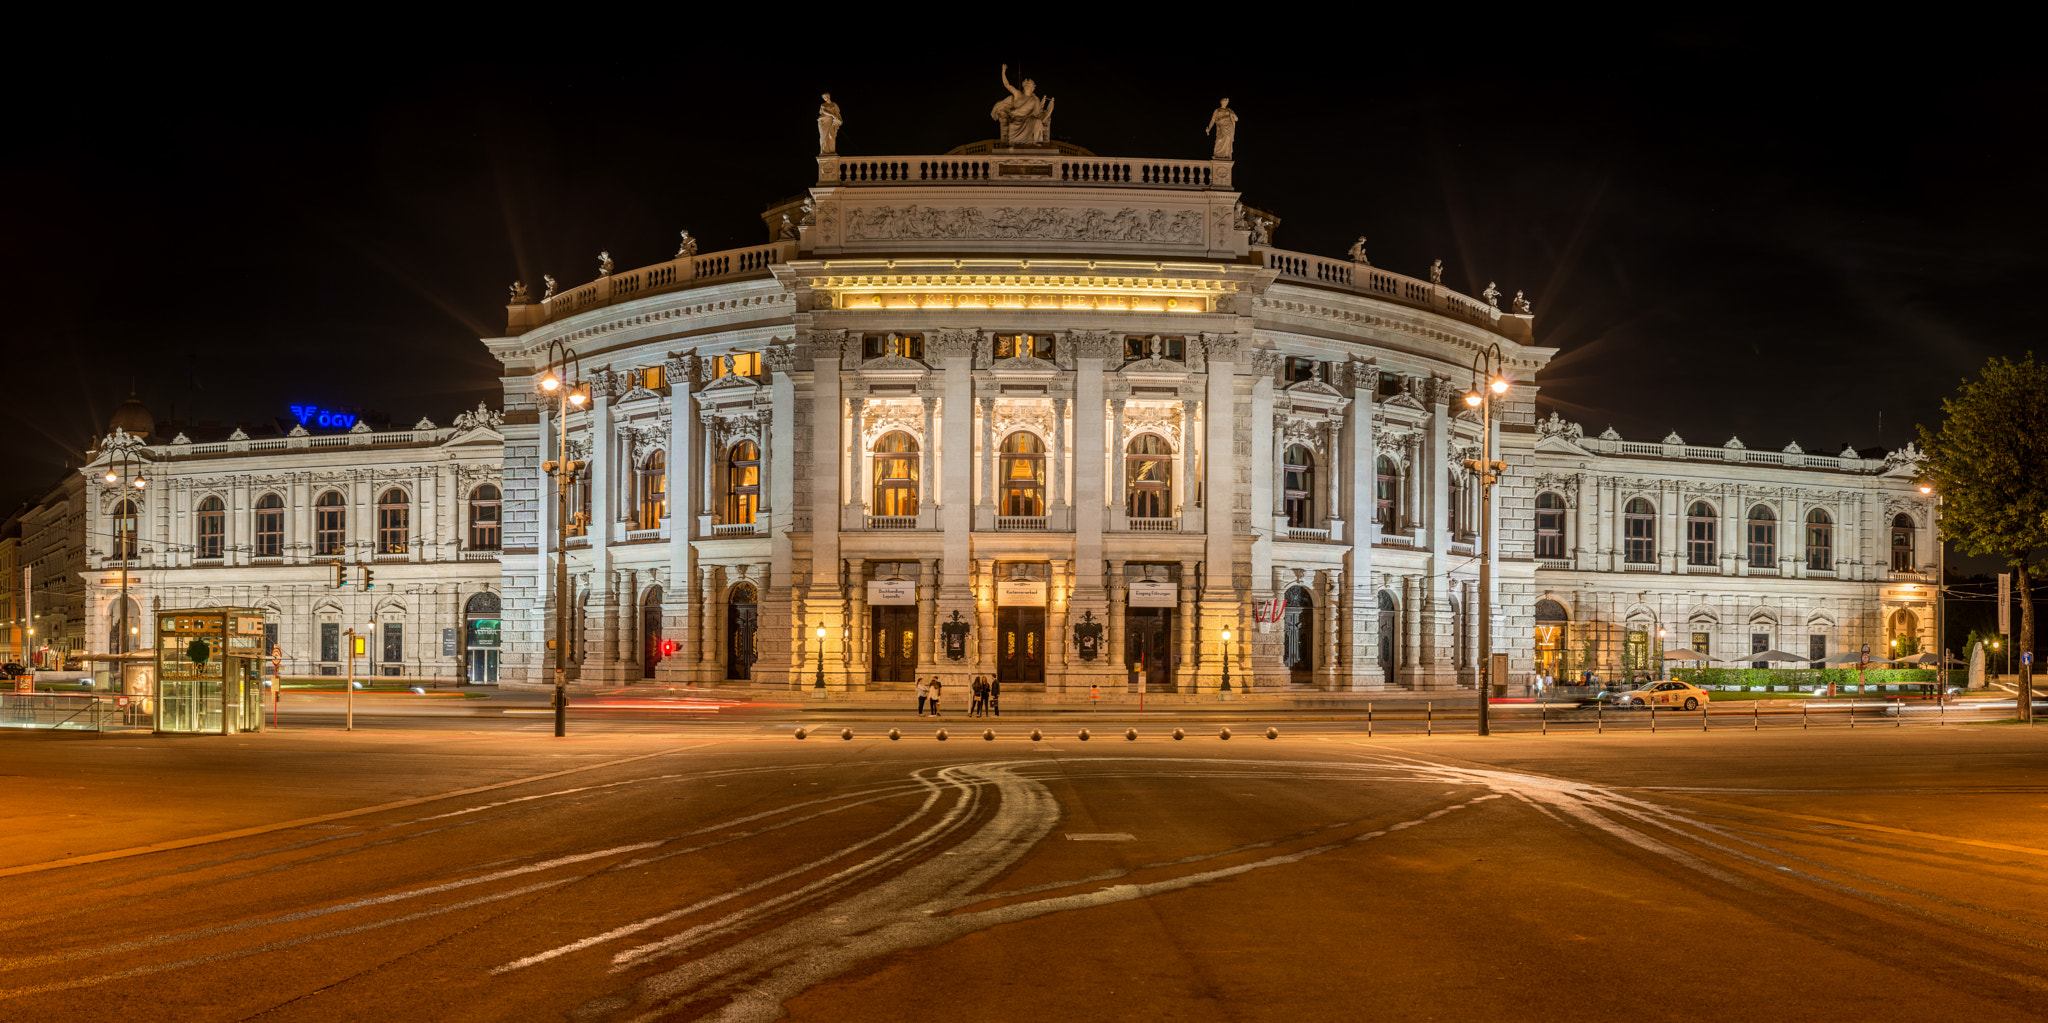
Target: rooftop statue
[1358, 252]
[828, 127]
[518, 292]
[549, 280]
[1522, 304]
[1223, 122]
[1436, 272]
[688, 248]
[787, 233]
[1491, 295]
[1025, 119]
[604, 263]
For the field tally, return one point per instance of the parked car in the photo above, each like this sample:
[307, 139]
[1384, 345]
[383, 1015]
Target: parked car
[1683, 695]
[13, 669]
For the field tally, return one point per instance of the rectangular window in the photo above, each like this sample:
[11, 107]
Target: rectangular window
[1550, 533]
[269, 637]
[269, 532]
[394, 641]
[330, 641]
[746, 364]
[1817, 651]
[1758, 643]
[1699, 541]
[1637, 654]
[653, 378]
[1640, 534]
[1024, 346]
[1703, 642]
[1140, 346]
[901, 346]
[1299, 370]
[1763, 543]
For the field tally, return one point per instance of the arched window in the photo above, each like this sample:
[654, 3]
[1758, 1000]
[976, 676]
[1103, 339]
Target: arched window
[1023, 475]
[212, 532]
[653, 492]
[124, 529]
[1386, 494]
[1902, 543]
[1550, 526]
[330, 524]
[1148, 477]
[1553, 637]
[1298, 635]
[270, 526]
[1903, 634]
[485, 518]
[1298, 479]
[394, 522]
[1701, 531]
[1820, 541]
[1763, 538]
[742, 483]
[896, 469]
[1639, 531]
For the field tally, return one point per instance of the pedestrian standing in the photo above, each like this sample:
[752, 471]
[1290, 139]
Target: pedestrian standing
[936, 687]
[923, 694]
[995, 696]
[980, 705]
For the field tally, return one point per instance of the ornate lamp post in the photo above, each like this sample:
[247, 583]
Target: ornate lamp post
[1226, 661]
[561, 360]
[821, 657]
[1489, 365]
[1940, 601]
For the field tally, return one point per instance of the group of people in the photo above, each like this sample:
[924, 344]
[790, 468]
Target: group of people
[987, 692]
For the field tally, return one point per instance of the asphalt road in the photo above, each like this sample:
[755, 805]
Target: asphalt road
[1872, 875]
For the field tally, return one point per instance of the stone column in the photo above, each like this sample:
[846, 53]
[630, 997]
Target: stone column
[1056, 618]
[985, 615]
[629, 629]
[1059, 453]
[604, 593]
[927, 612]
[927, 484]
[706, 628]
[1411, 624]
[1116, 649]
[1116, 459]
[1328, 664]
[857, 632]
[708, 504]
[988, 452]
[1332, 504]
[1279, 470]
[1191, 457]
[856, 416]
[767, 492]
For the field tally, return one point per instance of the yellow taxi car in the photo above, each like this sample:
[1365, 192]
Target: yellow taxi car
[1683, 695]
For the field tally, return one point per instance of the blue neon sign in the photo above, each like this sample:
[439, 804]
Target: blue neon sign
[314, 415]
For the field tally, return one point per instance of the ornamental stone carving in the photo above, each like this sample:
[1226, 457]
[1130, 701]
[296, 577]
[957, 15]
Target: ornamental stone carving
[1558, 426]
[1092, 344]
[952, 344]
[1222, 349]
[1264, 361]
[917, 223]
[484, 418]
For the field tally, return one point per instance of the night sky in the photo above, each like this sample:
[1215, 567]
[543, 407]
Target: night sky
[1726, 230]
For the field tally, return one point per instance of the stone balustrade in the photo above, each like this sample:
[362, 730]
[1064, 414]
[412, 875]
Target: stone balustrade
[674, 275]
[1024, 168]
[1362, 279]
[1692, 452]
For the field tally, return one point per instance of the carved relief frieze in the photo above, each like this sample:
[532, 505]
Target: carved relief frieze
[930, 223]
[951, 344]
[1168, 421]
[1091, 344]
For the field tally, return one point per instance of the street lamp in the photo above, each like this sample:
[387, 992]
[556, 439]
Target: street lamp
[1491, 366]
[124, 537]
[821, 656]
[1940, 596]
[562, 360]
[1226, 660]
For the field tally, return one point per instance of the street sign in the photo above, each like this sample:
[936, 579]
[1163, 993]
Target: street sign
[2027, 657]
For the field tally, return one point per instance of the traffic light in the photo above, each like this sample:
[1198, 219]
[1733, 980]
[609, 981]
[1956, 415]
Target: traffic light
[367, 576]
[668, 648]
[340, 575]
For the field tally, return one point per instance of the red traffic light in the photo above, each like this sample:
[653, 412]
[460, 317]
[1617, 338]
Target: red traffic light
[668, 648]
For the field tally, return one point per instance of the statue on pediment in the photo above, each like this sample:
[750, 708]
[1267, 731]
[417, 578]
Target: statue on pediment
[1358, 252]
[1223, 124]
[688, 247]
[1436, 272]
[549, 280]
[1491, 295]
[828, 127]
[1024, 119]
[604, 263]
[518, 293]
[1522, 304]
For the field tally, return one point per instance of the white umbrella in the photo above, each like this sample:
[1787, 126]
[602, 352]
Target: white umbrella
[1852, 657]
[1773, 655]
[1685, 654]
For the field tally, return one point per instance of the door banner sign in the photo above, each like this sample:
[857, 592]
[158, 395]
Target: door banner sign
[892, 592]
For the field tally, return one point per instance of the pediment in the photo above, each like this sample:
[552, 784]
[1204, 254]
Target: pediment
[475, 435]
[1405, 400]
[892, 363]
[1558, 445]
[1315, 387]
[729, 382]
[1022, 364]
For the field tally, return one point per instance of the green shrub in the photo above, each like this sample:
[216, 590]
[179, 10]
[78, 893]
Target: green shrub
[1753, 678]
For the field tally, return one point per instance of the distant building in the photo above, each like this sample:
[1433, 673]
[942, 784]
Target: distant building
[1066, 419]
[262, 517]
[49, 538]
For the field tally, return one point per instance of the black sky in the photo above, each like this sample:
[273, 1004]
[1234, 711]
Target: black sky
[1727, 230]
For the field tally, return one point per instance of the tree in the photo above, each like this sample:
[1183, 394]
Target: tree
[1989, 462]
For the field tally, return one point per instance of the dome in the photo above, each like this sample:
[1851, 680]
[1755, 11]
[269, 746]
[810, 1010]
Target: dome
[132, 417]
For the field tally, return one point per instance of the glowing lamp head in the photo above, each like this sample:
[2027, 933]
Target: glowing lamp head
[113, 477]
[1925, 489]
[1226, 635]
[1499, 385]
[140, 483]
[1472, 398]
[821, 632]
[579, 394]
[550, 382]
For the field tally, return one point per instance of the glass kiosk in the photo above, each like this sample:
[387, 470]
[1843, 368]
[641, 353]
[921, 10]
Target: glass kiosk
[209, 670]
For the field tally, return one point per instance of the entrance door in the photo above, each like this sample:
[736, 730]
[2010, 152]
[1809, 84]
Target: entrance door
[650, 631]
[483, 667]
[1298, 637]
[895, 651]
[1020, 646]
[1148, 632]
[740, 622]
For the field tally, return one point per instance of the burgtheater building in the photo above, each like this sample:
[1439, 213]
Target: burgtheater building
[1072, 420]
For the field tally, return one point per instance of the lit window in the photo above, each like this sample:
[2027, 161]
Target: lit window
[742, 483]
[896, 469]
[1023, 475]
[1820, 541]
[213, 526]
[1902, 543]
[394, 522]
[653, 491]
[1141, 346]
[1386, 495]
[1297, 482]
[653, 378]
[1148, 477]
[1639, 532]
[485, 529]
[330, 521]
[902, 346]
[1024, 346]
[124, 529]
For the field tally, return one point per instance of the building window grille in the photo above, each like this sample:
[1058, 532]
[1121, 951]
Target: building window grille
[270, 526]
[1639, 532]
[1024, 346]
[1704, 643]
[394, 642]
[901, 346]
[1700, 530]
[330, 641]
[124, 530]
[394, 522]
[1820, 541]
[743, 483]
[1299, 370]
[1148, 477]
[330, 524]
[744, 364]
[1298, 484]
[486, 507]
[1386, 494]
[1817, 650]
[1550, 526]
[1023, 478]
[1763, 538]
[212, 527]
[896, 474]
[1758, 643]
[1902, 543]
[653, 491]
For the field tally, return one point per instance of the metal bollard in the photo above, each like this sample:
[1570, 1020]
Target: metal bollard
[1368, 719]
[1084, 735]
[1600, 718]
[1756, 719]
[1703, 717]
[1543, 709]
[1429, 718]
[1223, 734]
[894, 735]
[1131, 734]
[1272, 733]
[941, 736]
[1037, 735]
[1852, 713]
[1802, 715]
[800, 733]
[988, 736]
[1179, 735]
[846, 733]
[1653, 719]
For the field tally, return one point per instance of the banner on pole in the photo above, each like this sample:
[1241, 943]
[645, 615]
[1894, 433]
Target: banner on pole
[2005, 603]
